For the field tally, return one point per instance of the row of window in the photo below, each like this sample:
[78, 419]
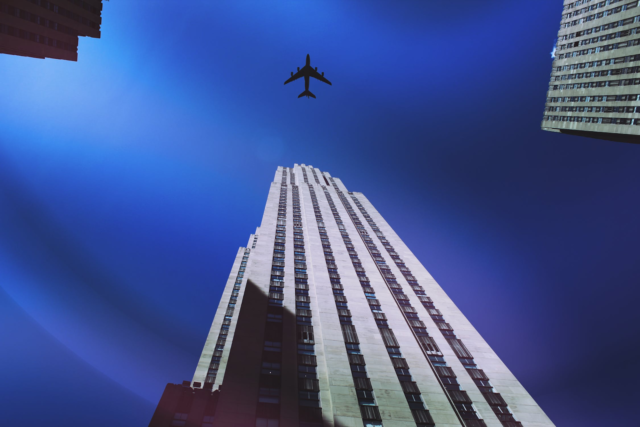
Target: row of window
[37, 38]
[595, 109]
[575, 4]
[38, 20]
[602, 38]
[602, 83]
[364, 390]
[599, 49]
[600, 63]
[461, 399]
[601, 28]
[603, 73]
[593, 120]
[226, 323]
[601, 14]
[67, 13]
[612, 72]
[421, 415]
[594, 6]
[595, 98]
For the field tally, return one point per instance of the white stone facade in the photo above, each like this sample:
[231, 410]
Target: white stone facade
[354, 232]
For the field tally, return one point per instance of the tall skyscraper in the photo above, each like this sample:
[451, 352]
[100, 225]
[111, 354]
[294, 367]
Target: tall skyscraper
[328, 319]
[47, 29]
[595, 85]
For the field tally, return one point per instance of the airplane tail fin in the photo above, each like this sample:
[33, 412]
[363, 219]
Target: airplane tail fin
[307, 94]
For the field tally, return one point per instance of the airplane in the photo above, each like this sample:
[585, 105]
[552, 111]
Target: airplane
[307, 72]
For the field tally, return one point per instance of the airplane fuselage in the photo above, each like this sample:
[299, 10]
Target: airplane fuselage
[306, 72]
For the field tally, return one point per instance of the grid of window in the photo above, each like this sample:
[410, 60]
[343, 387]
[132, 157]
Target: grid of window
[589, 8]
[604, 37]
[421, 415]
[36, 38]
[599, 49]
[84, 5]
[68, 14]
[575, 4]
[36, 19]
[268, 409]
[598, 15]
[592, 30]
[226, 323]
[495, 400]
[309, 410]
[587, 77]
[364, 389]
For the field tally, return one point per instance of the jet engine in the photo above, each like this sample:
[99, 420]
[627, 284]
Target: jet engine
[322, 74]
[298, 68]
[316, 68]
[292, 74]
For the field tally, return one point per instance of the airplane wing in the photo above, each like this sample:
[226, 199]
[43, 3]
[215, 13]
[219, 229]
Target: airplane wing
[295, 77]
[316, 75]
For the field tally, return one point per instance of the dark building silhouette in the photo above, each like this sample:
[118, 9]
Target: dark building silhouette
[328, 320]
[47, 29]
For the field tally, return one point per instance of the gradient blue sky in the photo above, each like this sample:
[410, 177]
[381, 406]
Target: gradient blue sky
[129, 179]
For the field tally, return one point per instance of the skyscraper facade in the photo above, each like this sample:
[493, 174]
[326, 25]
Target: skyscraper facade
[595, 81]
[47, 29]
[328, 319]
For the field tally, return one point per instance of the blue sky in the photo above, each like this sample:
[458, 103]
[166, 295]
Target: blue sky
[129, 179]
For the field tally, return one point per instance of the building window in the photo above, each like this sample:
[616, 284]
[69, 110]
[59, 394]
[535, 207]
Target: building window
[269, 395]
[266, 422]
[179, 419]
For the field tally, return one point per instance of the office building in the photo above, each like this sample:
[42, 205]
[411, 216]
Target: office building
[328, 319]
[595, 81]
[47, 29]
